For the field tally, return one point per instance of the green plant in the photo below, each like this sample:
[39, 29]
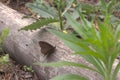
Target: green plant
[39, 23]
[3, 35]
[50, 13]
[99, 10]
[5, 64]
[26, 68]
[98, 47]
[4, 59]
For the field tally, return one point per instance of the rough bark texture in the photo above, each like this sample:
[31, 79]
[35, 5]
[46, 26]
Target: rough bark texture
[24, 48]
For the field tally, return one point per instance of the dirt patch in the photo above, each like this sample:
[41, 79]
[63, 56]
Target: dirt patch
[18, 5]
[14, 71]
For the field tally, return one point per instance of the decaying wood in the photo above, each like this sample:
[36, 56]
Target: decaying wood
[24, 48]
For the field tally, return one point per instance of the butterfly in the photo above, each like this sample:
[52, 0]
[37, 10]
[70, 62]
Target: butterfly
[46, 48]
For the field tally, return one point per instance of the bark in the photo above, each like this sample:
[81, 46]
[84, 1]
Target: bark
[23, 47]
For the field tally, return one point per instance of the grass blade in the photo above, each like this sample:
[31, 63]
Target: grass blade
[69, 77]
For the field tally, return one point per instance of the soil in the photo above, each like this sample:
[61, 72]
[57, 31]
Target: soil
[18, 5]
[14, 71]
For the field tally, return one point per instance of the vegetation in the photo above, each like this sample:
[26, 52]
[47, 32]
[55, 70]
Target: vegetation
[99, 44]
[26, 68]
[98, 47]
[4, 59]
[50, 13]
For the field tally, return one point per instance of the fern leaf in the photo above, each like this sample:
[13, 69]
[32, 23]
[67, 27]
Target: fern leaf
[43, 10]
[40, 23]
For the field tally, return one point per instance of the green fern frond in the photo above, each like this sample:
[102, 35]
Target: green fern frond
[40, 23]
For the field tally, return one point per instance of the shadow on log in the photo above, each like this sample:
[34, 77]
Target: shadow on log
[24, 48]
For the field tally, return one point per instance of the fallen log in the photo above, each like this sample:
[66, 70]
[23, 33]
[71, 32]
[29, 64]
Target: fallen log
[23, 46]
